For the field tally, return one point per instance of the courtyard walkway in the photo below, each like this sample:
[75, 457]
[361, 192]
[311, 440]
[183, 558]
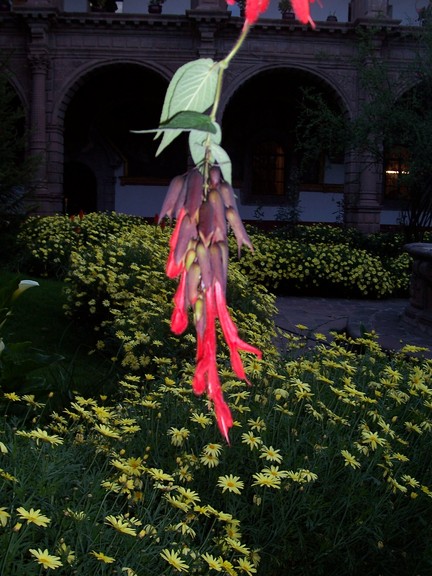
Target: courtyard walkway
[354, 317]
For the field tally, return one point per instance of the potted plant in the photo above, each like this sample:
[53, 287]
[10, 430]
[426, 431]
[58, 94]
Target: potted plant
[155, 6]
[332, 17]
[286, 9]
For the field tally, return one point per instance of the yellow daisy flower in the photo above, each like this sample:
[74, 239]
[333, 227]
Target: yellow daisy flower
[43, 435]
[246, 566]
[350, 460]
[4, 516]
[209, 460]
[12, 396]
[121, 525]
[214, 563]
[105, 431]
[45, 559]
[230, 483]
[102, 557]
[200, 419]
[33, 517]
[212, 449]
[271, 454]
[178, 435]
[266, 480]
[174, 558]
[251, 440]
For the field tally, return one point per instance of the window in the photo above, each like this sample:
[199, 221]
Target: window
[396, 171]
[268, 169]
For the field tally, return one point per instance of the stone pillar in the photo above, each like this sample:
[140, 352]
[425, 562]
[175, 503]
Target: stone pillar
[38, 137]
[362, 190]
[208, 16]
[369, 205]
[55, 168]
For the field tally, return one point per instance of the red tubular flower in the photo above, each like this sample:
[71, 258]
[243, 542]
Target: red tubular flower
[179, 318]
[199, 255]
[256, 7]
[253, 9]
[206, 377]
[302, 11]
[232, 338]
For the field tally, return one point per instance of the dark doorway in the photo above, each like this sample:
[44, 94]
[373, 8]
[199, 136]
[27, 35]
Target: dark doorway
[80, 189]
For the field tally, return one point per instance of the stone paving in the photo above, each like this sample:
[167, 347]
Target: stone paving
[353, 317]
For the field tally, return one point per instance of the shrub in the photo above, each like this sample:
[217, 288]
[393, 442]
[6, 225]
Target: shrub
[293, 267]
[121, 285]
[47, 242]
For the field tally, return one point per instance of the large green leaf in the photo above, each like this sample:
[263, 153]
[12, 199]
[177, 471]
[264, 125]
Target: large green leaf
[184, 121]
[189, 120]
[192, 88]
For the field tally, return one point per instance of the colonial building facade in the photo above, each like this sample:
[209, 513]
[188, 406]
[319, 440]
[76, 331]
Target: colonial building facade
[87, 80]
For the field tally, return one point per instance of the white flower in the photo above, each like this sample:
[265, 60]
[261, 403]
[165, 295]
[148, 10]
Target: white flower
[23, 286]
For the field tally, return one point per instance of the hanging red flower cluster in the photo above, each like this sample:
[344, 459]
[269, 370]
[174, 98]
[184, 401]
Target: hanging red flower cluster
[254, 8]
[204, 208]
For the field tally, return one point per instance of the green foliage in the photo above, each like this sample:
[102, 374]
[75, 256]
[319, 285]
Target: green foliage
[46, 243]
[16, 172]
[22, 366]
[326, 260]
[121, 285]
[303, 259]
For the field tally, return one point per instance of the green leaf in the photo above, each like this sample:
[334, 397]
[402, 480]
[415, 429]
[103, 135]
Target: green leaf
[192, 88]
[184, 121]
[197, 146]
[198, 143]
[224, 161]
[190, 120]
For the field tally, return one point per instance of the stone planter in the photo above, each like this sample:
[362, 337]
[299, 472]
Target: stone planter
[419, 310]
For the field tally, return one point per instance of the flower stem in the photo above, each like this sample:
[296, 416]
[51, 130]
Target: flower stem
[223, 65]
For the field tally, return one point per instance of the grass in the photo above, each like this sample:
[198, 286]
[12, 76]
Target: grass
[38, 317]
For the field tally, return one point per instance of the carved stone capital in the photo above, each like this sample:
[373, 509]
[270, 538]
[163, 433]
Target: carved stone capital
[39, 62]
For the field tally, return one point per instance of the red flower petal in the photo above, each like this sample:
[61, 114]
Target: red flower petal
[254, 8]
[179, 318]
[302, 11]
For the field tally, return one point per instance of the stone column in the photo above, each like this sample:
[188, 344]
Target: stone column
[38, 137]
[55, 168]
[363, 193]
[369, 206]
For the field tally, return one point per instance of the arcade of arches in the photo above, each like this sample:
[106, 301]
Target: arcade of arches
[88, 81]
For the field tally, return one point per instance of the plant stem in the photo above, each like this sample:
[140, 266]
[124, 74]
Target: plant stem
[223, 65]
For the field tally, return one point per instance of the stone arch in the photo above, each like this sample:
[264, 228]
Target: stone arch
[79, 74]
[260, 134]
[95, 116]
[237, 80]
[19, 92]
